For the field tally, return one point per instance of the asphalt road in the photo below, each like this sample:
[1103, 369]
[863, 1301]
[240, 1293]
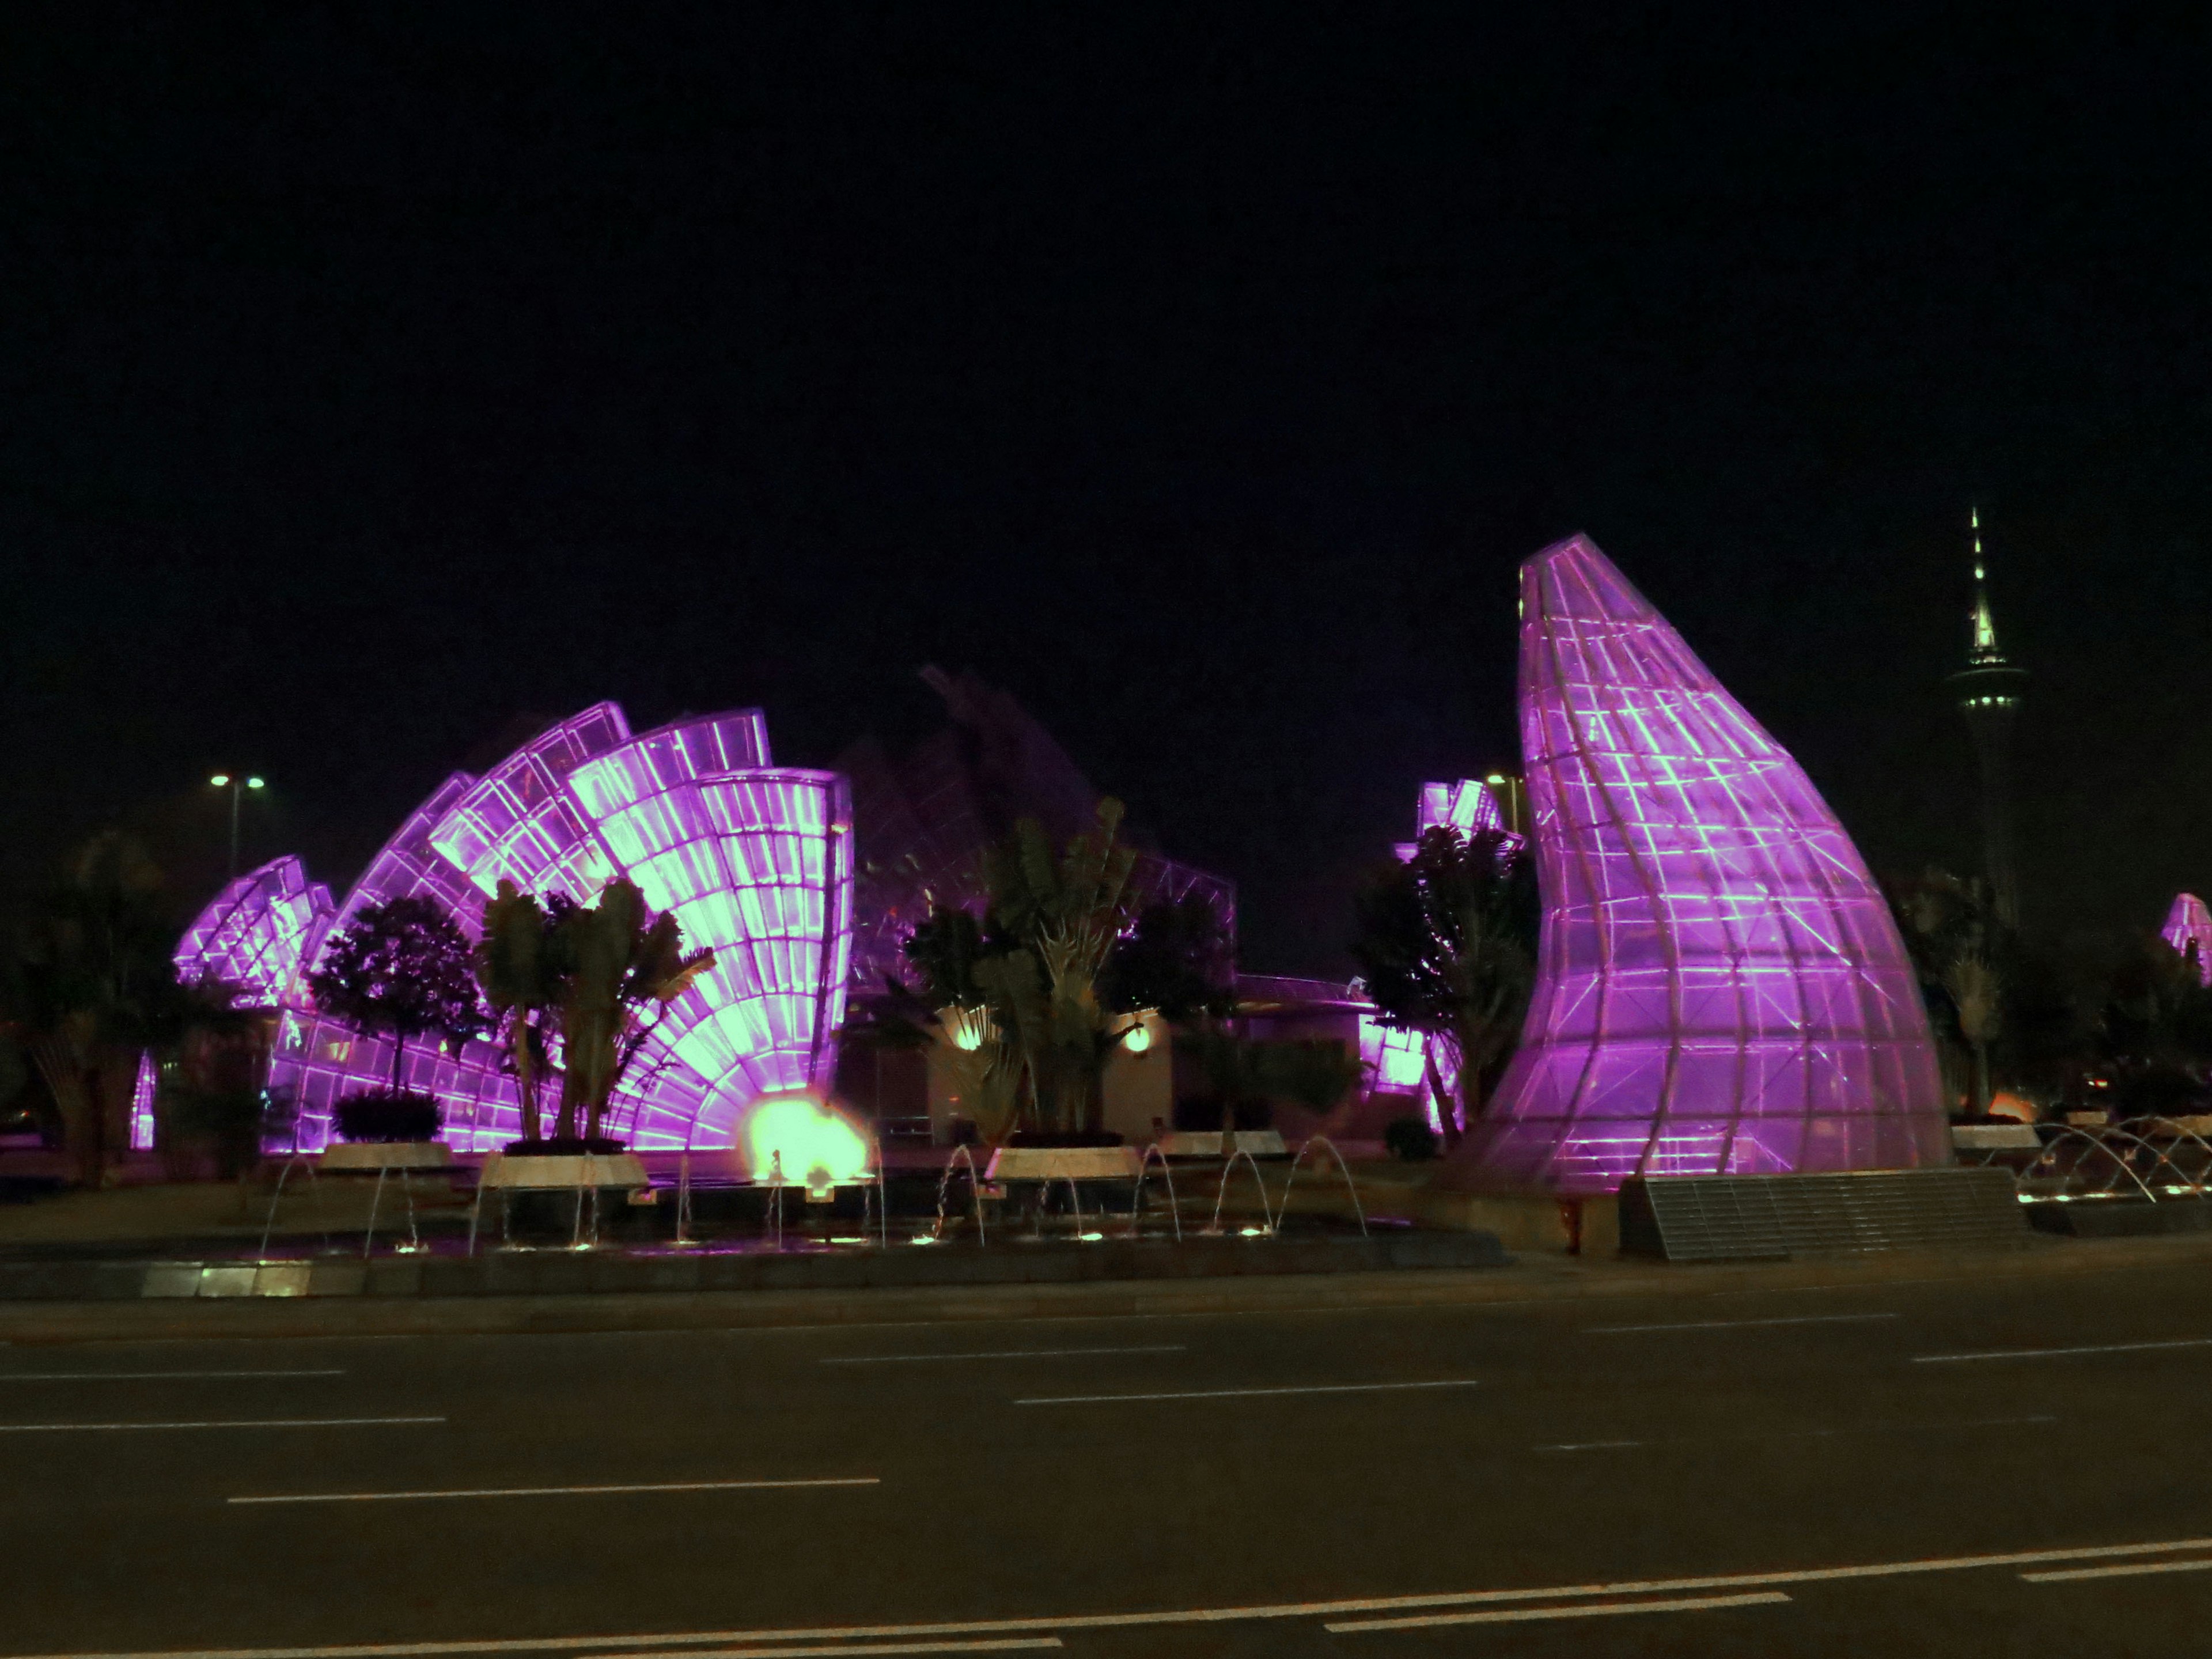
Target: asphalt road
[2006, 1468]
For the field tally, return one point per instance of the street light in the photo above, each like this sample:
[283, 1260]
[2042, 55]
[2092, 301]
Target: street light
[225, 780]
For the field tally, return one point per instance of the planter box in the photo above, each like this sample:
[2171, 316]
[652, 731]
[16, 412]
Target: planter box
[516, 1172]
[375, 1155]
[1062, 1164]
[1995, 1137]
[1260, 1143]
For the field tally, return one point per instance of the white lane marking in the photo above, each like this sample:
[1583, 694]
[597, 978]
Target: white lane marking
[2053, 1353]
[1003, 1646]
[1736, 1324]
[634, 1646]
[1006, 1354]
[218, 1423]
[143, 1377]
[554, 1491]
[1582, 1610]
[1807, 1434]
[2134, 1569]
[1245, 1394]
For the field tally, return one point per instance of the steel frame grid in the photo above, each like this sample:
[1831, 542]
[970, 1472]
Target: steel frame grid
[255, 932]
[768, 854]
[2188, 922]
[1721, 987]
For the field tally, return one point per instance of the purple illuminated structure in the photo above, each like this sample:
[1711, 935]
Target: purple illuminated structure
[1467, 806]
[254, 934]
[754, 860]
[1721, 987]
[2189, 930]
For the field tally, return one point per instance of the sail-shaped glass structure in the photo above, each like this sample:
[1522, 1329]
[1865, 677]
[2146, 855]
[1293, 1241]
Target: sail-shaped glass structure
[754, 860]
[1721, 987]
[2189, 930]
[253, 934]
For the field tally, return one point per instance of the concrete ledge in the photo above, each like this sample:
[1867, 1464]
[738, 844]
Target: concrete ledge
[613, 1272]
[1530, 1283]
[1521, 1222]
[2121, 1218]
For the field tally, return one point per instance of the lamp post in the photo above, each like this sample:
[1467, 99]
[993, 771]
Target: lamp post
[225, 780]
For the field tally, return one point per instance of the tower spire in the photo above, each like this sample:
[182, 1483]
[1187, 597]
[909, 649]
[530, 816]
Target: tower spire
[1988, 691]
[1984, 650]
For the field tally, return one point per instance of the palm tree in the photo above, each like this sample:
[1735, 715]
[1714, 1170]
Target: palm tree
[1977, 992]
[92, 987]
[1063, 917]
[616, 962]
[517, 968]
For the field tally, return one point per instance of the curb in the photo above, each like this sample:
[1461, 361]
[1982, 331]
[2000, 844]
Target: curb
[1524, 1283]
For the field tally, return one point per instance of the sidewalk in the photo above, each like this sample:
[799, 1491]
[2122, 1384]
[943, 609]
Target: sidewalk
[1532, 1279]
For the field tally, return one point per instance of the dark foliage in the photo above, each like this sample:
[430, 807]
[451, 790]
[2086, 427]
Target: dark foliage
[229, 1122]
[2154, 1033]
[1175, 957]
[1410, 1140]
[944, 950]
[403, 970]
[1446, 946]
[566, 1146]
[386, 1115]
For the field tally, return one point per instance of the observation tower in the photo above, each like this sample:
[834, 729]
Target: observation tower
[1988, 689]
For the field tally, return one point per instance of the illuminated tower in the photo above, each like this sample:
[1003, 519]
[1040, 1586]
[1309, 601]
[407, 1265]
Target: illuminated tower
[1989, 690]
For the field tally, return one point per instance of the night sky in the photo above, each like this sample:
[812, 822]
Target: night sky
[367, 383]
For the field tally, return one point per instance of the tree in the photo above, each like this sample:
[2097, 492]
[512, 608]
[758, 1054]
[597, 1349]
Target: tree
[1020, 991]
[2154, 1032]
[91, 986]
[616, 960]
[1446, 946]
[517, 968]
[1997, 1006]
[402, 968]
[1176, 960]
[1977, 992]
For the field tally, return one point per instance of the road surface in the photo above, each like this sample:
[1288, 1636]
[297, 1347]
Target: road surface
[1958, 1468]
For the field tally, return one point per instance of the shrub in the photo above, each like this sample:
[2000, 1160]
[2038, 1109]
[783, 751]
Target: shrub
[229, 1123]
[1410, 1140]
[383, 1115]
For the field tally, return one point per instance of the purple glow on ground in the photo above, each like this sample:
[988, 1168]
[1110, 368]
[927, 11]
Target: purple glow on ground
[2189, 923]
[1721, 987]
[755, 860]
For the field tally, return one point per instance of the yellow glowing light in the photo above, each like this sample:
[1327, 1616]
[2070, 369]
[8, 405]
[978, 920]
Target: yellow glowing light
[220, 778]
[1138, 1039]
[967, 1027]
[803, 1140]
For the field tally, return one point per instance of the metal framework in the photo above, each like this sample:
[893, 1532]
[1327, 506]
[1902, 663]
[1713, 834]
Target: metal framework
[1468, 806]
[2189, 930]
[755, 860]
[1721, 987]
[253, 934]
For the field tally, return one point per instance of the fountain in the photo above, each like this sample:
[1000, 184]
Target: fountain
[1352, 1187]
[1228, 1168]
[1136, 1198]
[962, 1155]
